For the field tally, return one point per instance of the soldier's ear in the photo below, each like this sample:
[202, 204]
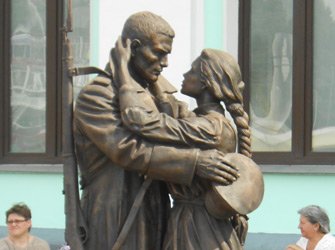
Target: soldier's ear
[134, 45]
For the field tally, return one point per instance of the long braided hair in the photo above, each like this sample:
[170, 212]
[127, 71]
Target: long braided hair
[221, 73]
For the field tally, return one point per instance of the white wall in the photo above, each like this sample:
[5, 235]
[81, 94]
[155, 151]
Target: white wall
[186, 18]
[230, 27]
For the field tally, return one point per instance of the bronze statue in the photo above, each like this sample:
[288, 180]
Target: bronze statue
[197, 221]
[114, 161]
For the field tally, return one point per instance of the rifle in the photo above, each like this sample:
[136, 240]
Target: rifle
[75, 228]
[76, 231]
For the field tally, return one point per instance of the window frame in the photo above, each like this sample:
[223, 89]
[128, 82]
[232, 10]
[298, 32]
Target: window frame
[302, 92]
[2, 70]
[54, 23]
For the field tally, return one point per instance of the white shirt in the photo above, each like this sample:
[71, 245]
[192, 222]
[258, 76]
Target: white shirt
[327, 242]
[34, 244]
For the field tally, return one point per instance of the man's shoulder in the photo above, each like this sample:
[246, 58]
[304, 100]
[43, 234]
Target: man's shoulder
[102, 79]
[99, 84]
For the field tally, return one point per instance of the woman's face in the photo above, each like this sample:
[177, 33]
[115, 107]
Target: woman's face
[192, 85]
[307, 228]
[17, 225]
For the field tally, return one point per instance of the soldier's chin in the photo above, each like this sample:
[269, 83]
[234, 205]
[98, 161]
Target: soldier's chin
[152, 78]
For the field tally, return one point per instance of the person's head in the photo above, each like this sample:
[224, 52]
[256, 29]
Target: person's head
[151, 41]
[18, 220]
[313, 219]
[218, 73]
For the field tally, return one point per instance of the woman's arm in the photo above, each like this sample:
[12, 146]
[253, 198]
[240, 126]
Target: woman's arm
[164, 128]
[141, 118]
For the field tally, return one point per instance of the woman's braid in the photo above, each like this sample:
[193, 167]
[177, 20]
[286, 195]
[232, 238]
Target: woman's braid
[241, 120]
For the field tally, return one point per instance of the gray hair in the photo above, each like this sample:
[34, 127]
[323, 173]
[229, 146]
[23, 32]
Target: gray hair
[316, 215]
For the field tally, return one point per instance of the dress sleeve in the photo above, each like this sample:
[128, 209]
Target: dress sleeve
[153, 125]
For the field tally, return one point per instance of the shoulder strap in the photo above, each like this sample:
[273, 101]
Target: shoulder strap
[88, 70]
[132, 215]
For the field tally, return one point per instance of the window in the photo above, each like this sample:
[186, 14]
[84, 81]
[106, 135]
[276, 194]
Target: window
[30, 76]
[288, 64]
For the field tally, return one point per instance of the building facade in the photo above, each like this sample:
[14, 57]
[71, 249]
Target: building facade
[285, 51]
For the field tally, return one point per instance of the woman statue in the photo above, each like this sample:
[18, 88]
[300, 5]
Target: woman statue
[214, 77]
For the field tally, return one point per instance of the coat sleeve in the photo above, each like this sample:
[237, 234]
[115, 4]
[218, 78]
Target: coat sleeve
[145, 121]
[97, 122]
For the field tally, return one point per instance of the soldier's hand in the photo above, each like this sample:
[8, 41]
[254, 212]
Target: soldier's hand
[213, 166]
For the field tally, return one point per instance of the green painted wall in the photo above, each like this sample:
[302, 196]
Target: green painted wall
[213, 24]
[41, 192]
[285, 194]
[94, 33]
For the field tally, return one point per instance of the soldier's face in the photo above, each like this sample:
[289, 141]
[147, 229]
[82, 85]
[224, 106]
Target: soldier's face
[150, 58]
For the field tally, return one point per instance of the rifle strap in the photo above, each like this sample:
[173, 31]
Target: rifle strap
[132, 215]
[88, 70]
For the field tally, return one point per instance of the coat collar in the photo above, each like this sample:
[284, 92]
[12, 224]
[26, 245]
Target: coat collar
[162, 85]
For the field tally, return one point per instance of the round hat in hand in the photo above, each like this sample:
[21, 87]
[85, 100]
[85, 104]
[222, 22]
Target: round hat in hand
[241, 197]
